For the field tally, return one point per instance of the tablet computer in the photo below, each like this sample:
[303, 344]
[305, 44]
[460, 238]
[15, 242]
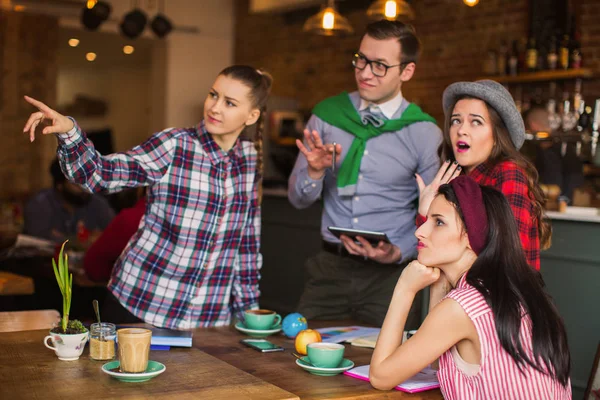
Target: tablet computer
[372, 237]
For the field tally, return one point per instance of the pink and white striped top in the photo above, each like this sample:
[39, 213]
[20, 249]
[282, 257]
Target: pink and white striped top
[497, 376]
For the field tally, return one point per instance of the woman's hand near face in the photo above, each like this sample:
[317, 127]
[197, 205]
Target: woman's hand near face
[319, 156]
[417, 276]
[447, 172]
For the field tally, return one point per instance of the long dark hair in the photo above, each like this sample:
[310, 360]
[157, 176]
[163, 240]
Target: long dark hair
[260, 83]
[505, 150]
[513, 289]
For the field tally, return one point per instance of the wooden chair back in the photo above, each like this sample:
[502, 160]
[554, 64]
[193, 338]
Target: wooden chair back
[13, 321]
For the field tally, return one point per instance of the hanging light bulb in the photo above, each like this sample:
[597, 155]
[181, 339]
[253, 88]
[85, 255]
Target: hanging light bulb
[391, 10]
[328, 22]
[471, 3]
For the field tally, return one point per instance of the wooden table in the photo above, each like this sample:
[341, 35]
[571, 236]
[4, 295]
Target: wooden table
[30, 371]
[279, 368]
[15, 285]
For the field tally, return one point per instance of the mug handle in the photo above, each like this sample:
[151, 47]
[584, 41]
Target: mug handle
[46, 343]
[277, 319]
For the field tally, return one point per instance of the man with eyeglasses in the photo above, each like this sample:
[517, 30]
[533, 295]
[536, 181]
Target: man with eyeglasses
[381, 141]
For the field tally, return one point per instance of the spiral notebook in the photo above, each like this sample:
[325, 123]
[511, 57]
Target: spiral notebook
[424, 380]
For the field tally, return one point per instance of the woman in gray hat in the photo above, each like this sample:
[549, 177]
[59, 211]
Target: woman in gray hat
[482, 137]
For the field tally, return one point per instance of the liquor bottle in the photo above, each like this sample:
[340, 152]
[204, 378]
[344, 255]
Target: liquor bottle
[552, 57]
[554, 120]
[490, 63]
[578, 99]
[569, 120]
[563, 53]
[542, 57]
[583, 127]
[595, 133]
[501, 59]
[583, 122]
[576, 57]
[522, 51]
[513, 59]
[518, 96]
[532, 55]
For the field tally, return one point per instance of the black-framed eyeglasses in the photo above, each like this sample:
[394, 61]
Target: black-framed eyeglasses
[378, 68]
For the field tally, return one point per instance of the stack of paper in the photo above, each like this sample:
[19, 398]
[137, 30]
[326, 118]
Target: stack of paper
[365, 341]
[341, 334]
[424, 380]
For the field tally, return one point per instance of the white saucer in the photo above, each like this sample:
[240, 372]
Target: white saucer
[257, 332]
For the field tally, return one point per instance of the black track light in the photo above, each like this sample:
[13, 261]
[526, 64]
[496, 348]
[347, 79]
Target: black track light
[134, 23]
[92, 18]
[161, 26]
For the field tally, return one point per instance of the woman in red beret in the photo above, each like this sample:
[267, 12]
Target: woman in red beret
[496, 333]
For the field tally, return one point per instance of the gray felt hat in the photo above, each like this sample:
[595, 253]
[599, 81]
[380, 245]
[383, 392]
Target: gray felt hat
[496, 96]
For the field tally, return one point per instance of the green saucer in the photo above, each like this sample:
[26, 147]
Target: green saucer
[258, 333]
[154, 368]
[345, 365]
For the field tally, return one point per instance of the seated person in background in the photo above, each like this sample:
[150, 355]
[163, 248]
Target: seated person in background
[61, 212]
[103, 253]
[491, 324]
[556, 165]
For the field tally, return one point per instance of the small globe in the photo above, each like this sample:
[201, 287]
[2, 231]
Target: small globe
[292, 324]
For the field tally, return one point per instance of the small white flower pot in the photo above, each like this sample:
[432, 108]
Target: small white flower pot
[67, 347]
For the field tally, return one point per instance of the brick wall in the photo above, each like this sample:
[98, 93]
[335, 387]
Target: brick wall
[589, 16]
[28, 46]
[455, 41]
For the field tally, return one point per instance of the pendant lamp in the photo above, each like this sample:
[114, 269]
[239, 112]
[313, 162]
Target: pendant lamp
[391, 10]
[328, 22]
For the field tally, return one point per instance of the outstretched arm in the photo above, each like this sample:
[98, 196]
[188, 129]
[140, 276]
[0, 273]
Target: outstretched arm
[143, 165]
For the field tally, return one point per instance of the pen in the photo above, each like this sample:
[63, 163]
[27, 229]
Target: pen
[333, 160]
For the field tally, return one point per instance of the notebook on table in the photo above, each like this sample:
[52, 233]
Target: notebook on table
[163, 338]
[424, 380]
[169, 337]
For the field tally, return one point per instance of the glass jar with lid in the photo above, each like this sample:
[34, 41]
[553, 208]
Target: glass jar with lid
[102, 341]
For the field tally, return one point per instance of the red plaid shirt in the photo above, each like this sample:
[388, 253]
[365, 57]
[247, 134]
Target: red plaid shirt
[511, 180]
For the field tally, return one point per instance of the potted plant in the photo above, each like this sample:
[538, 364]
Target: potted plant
[69, 338]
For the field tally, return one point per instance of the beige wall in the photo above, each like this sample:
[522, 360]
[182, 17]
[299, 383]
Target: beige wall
[185, 64]
[183, 69]
[126, 90]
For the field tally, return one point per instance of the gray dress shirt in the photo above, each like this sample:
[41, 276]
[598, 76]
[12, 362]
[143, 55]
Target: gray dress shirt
[387, 193]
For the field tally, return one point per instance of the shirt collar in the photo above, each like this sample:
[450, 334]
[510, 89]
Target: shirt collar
[480, 171]
[388, 109]
[214, 152]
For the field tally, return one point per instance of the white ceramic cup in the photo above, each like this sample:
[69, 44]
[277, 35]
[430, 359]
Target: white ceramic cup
[67, 347]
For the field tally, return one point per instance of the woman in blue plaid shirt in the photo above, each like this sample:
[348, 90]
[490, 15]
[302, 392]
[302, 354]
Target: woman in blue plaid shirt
[194, 261]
